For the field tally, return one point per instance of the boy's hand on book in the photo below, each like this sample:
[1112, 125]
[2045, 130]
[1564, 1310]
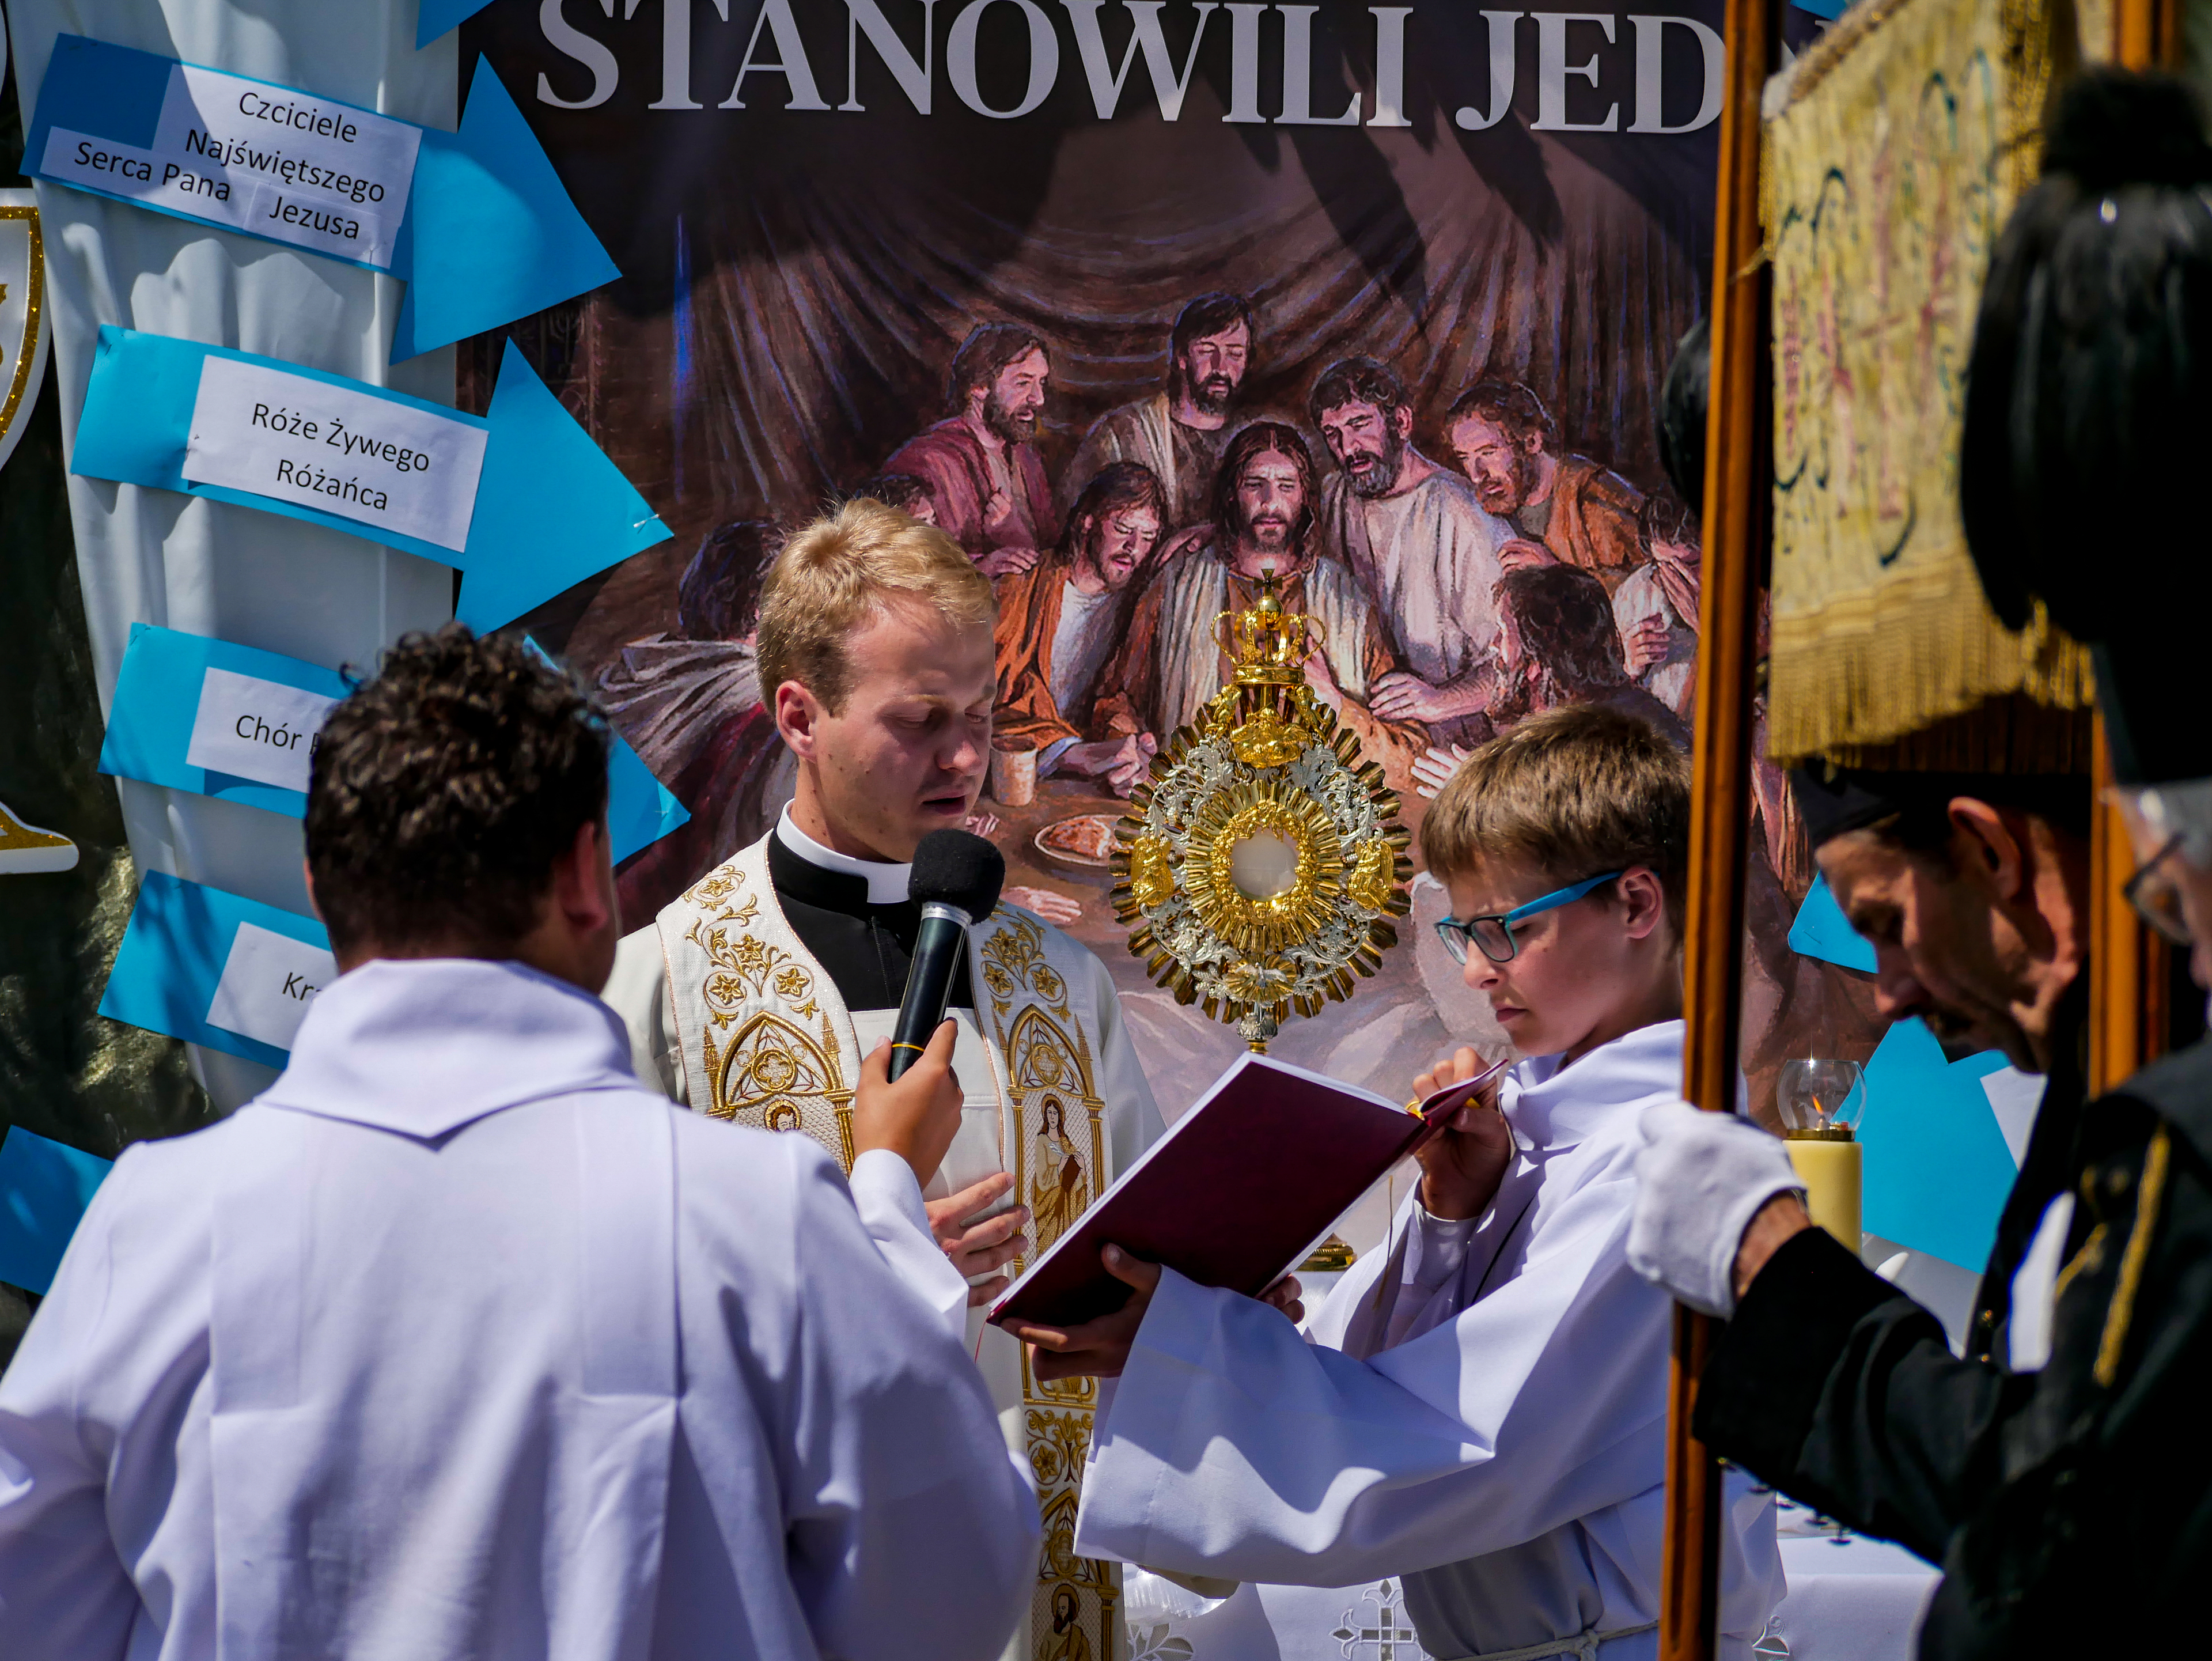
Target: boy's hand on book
[1286, 1295]
[1099, 1349]
[917, 1117]
[1461, 1170]
[983, 1247]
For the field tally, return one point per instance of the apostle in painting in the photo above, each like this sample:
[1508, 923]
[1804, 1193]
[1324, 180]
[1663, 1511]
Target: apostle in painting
[1560, 646]
[1178, 432]
[1656, 606]
[1263, 520]
[689, 702]
[1061, 621]
[1563, 507]
[986, 478]
[754, 996]
[1419, 543]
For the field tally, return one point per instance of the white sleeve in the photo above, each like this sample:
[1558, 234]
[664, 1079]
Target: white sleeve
[1637, 597]
[889, 1200]
[637, 990]
[64, 1595]
[1233, 1447]
[909, 1533]
[1407, 1286]
[1428, 1289]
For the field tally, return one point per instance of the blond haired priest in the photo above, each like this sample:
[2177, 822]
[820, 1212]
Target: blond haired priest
[754, 996]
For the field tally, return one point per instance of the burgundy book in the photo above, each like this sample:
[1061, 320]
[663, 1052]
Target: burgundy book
[1240, 1189]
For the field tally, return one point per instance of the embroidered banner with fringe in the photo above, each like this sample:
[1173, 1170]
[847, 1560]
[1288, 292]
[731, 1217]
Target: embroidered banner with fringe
[1894, 151]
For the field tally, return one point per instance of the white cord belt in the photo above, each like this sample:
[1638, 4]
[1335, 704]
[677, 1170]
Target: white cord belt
[1582, 1646]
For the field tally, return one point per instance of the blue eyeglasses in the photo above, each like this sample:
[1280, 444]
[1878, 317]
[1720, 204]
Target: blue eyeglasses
[1494, 932]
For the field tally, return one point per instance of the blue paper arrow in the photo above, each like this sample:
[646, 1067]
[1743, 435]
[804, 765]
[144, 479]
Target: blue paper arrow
[563, 511]
[45, 1188]
[1938, 1168]
[1822, 931]
[172, 957]
[437, 16]
[550, 508]
[491, 234]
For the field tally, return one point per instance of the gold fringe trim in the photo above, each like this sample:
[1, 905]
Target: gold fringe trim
[1870, 668]
[2148, 1193]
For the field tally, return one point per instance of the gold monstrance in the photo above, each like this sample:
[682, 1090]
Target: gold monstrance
[1261, 864]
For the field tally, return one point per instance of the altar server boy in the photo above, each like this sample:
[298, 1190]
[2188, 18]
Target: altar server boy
[457, 1343]
[1482, 1407]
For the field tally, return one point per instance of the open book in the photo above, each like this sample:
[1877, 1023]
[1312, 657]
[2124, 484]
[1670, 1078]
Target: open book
[1239, 1190]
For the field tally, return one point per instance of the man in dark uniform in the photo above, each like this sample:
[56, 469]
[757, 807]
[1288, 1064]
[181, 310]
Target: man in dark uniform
[2062, 1471]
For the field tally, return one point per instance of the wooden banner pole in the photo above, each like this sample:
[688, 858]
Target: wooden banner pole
[1738, 449]
[2128, 963]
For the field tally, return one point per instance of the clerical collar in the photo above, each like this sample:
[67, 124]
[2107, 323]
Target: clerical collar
[888, 884]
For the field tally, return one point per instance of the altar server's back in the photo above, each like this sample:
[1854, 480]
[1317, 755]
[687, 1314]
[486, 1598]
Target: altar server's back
[457, 1343]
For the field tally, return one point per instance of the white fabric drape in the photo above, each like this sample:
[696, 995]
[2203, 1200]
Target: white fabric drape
[210, 568]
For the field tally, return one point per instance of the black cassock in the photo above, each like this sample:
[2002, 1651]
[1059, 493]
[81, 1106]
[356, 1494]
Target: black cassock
[865, 949]
[2070, 1509]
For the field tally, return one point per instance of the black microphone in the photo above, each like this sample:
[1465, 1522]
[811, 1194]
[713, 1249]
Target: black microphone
[957, 877]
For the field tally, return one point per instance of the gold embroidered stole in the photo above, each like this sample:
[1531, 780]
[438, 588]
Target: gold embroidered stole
[767, 1042]
[1053, 1100]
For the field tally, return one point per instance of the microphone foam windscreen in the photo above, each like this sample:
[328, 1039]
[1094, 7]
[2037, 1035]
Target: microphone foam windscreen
[960, 868]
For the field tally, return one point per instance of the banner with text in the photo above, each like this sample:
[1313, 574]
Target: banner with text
[228, 720]
[476, 220]
[217, 719]
[521, 499]
[217, 969]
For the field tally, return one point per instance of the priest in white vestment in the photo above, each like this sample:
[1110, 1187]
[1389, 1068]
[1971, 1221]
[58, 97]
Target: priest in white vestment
[457, 1345]
[753, 996]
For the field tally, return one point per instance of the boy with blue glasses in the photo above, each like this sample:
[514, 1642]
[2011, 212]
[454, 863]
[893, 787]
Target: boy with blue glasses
[1481, 1408]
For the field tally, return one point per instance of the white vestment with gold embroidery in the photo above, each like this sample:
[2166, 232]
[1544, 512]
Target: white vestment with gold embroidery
[743, 1023]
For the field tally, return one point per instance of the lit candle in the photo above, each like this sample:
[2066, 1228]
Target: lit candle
[1827, 1162]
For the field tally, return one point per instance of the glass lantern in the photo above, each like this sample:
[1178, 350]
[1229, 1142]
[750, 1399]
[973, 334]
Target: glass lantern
[1822, 1100]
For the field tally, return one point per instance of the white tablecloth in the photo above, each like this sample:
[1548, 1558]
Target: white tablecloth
[1850, 1599]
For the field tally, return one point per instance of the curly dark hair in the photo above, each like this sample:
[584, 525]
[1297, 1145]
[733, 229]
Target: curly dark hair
[1665, 517]
[1567, 625]
[442, 792]
[1567, 628]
